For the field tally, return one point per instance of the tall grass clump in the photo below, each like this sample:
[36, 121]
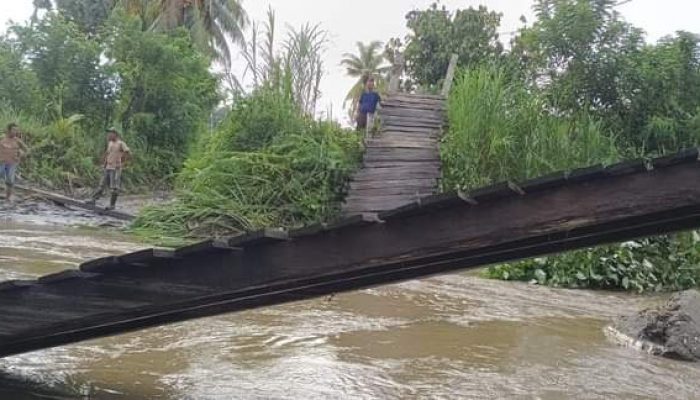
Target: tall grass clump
[267, 165]
[502, 130]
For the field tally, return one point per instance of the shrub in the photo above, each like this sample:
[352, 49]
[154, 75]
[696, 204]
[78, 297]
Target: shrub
[238, 181]
[658, 264]
[501, 130]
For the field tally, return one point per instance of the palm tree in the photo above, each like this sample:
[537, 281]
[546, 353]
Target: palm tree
[213, 23]
[368, 62]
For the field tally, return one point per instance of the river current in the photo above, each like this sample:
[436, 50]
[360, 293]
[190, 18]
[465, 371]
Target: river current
[450, 337]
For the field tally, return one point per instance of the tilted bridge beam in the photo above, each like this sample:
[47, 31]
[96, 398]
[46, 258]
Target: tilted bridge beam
[439, 234]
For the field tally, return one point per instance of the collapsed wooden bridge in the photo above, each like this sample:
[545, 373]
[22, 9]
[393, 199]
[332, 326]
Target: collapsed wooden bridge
[432, 235]
[402, 163]
[396, 228]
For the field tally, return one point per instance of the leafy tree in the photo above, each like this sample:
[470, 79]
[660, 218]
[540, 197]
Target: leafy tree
[585, 56]
[166, 90]
[437, 33]
[662, 111]
[579, 47]
[19, 85]
[67, 65]
[368, 62]
[89, 15]
[213, 24]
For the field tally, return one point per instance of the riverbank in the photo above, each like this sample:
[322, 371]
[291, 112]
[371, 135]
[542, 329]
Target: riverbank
[28, 208]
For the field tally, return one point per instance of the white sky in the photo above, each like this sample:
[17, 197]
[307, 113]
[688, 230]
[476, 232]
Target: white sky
[349, 21]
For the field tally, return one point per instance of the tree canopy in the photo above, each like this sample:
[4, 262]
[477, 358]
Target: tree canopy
[436, 33]
[369, 61]
[213, 24]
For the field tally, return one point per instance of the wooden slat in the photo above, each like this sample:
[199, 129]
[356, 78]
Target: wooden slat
[419, 96]
[398, 164]
[410, 144]
[389, 191]
[407, 104]
[407, 168]
[403, 183]
[397, 112]
[399, 123]
[368, 175]
[406, 131]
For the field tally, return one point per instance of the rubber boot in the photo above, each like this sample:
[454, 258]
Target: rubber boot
[113, 201]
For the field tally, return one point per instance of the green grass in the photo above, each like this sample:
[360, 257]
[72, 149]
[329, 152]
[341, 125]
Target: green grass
[500, 130]
[264, 167]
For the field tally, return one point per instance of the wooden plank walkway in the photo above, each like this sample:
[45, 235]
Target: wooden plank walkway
[401, 164]
[69, 202]
[434, 235]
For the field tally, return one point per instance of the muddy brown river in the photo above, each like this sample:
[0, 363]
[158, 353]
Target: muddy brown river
[449, 337]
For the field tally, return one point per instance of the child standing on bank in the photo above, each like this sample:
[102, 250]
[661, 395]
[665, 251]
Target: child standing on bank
[367, 107]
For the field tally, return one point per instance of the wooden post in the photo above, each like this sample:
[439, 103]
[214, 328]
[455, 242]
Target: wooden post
[450, 75]
[396, 72]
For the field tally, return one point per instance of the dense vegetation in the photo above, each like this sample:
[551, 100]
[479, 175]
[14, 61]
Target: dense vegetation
[267, 165]
[657, 264]
[579, 86]
[499, 130]
[64, 85]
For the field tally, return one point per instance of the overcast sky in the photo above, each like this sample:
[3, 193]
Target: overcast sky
[349, 21]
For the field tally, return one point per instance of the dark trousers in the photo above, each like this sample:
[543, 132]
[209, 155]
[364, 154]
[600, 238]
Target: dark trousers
[112, 180]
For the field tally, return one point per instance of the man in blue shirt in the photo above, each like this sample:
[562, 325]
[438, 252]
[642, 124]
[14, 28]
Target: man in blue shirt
[367, 107]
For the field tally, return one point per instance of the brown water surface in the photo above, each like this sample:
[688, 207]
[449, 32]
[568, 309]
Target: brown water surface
[450, 337]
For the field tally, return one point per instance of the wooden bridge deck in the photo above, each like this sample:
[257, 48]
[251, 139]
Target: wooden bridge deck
[401, 164]
[434, 235]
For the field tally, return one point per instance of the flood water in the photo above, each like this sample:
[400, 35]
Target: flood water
[450, 337]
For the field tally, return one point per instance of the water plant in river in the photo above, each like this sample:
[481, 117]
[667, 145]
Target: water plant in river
[666, 263]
